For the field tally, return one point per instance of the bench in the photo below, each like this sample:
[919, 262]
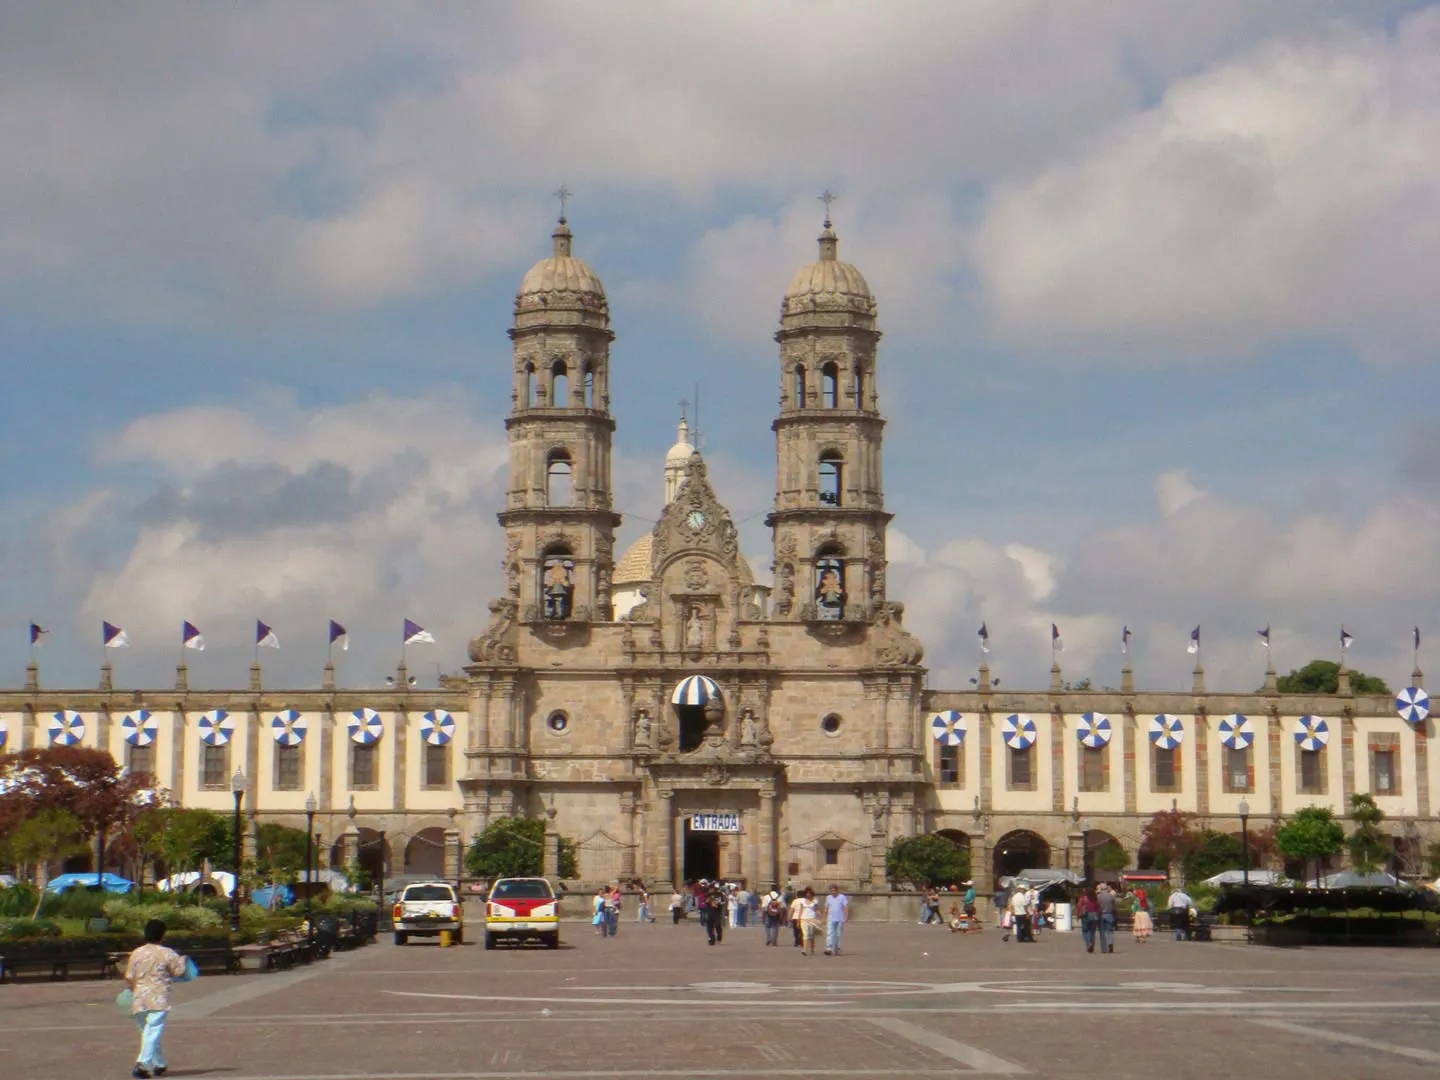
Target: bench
[279, 954]
[220, 957]
[58, 966]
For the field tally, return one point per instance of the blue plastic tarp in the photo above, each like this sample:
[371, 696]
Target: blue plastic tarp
[111, 882]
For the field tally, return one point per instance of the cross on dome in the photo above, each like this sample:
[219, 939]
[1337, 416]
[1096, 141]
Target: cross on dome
[827, 198]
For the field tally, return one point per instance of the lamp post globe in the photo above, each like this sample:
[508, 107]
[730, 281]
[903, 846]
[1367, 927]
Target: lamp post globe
[238, 784]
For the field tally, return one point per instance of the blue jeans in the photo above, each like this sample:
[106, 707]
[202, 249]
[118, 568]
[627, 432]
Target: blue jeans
[642, 914]
[611, 925]
[152, 1027]
[1107, 931]
[834, 932]
[1088, 925]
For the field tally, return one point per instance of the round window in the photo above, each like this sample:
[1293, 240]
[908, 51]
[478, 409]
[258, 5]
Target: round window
[558, 723]
[831, 724]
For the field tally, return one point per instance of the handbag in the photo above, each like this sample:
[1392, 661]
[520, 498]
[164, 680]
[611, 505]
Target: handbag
[191, 971]
[125, 1001]
[1007, 920]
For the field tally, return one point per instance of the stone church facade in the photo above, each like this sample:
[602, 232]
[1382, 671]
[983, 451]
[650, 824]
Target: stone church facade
[677, 720]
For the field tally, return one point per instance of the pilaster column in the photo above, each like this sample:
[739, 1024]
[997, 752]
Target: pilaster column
[765, 873]
[454, 855]
[1202, 762]
[627, 814]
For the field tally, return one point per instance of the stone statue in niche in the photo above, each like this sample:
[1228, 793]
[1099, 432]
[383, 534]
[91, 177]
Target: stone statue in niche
[747, 728]
[829, 589]
[559, 586]
[694, 632]
[642, 728]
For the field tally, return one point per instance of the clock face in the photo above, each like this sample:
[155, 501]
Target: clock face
[695, 519]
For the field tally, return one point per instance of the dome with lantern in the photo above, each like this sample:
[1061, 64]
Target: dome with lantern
[562, 282]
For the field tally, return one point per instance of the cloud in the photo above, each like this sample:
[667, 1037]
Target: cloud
[1285, 195]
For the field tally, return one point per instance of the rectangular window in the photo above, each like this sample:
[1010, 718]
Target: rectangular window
[948, 763]
[1166, 773]
[140, 760]
[1237, 771]
[437, 766]
[832, 855]
[1092, 768]
[287, 767]
[1312, 772]
[362, 765]
[1384, 779]
[214, 766]
[1022, 776]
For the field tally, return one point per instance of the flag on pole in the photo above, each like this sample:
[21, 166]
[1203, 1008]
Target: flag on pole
[1264, 637]
[37, 632]
[1345, 640]
[113, 637]
[264, 636]
[415, 633]
[339, 636]
[1055, 643]
[191, 637]
[1194, 646]
[984, 639]
[1417, 639]
[1125, 641]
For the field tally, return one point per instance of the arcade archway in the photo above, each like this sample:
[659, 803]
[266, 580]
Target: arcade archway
[1017, 851]
[425, 854]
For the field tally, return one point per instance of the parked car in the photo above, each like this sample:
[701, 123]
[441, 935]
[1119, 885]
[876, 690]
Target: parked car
[426, 908]
[522, 909]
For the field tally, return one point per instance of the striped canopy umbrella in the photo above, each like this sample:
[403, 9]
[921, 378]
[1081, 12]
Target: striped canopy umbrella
[139, 727]
[1093, 730]
[1019, 731]
[365, 727]
[1413, 704]
[948, 728]
[215, 727]
[694, 690]
[1311, 732]
[437, 727]
[67, 728]
[1166, 731]
[1236, 732]
[288, 727]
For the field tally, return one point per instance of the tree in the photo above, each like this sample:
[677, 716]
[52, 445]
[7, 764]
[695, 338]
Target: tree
[45, 837]
[1432, 859]
[1109, 856]
[927, 861]
[515, 847]
[1262, 847]
[1171, 837]
[192, 836]
[1368, 845]
[146, 834]
[1215, 853]
[85, 783]
[279, 849]
[1313, 833]
[1323, 677]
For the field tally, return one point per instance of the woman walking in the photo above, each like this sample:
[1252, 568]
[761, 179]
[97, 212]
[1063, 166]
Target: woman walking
[809, 921]
[1140, 913]
[150, 971]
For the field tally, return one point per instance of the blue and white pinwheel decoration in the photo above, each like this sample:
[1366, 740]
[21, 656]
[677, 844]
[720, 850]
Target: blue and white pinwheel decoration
[437, 727]
[366, 727]
[1093, 730]
[288, 727]
[1167, 731]
[4, 733]
[1236, 732]
[694, 690]
[1018, 731]
[139, 727]
[1413, 705]
[67, 728]
[948, 728]
[215, 727]
[1311, 732]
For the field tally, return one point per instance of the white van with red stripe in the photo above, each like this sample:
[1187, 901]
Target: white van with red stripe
[520, 909]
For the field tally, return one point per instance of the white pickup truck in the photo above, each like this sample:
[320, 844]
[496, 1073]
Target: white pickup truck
[426, 908]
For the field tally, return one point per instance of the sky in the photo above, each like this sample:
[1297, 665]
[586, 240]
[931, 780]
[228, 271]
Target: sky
[1156, 281]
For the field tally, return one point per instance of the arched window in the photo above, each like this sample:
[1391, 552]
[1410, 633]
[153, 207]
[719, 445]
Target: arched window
[527, 391]
[559, 489]
[829, 588]
[557, 584]
[589, 386]
[832, 468]
[799, 386]
[559, 385]
[859, 387]
[830, 385]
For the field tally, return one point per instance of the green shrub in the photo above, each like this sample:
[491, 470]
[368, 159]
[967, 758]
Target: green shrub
[76, 903]
[12, 929]
[17, 901]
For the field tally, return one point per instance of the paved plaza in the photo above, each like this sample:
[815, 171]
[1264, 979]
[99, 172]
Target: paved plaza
[657, 1002]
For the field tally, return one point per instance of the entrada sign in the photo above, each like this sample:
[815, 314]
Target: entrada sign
[729, 821]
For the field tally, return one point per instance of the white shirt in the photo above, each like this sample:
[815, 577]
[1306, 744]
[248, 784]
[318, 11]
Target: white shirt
[1019, 903]
[1179, 901]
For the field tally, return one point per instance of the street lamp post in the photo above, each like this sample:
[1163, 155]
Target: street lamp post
[237, 788]
[1085, 850]
[1245, 859]
[309, 881]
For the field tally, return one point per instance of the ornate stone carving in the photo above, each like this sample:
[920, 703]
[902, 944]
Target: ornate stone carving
[747, 728]
[642, 728]
[784, 588]
[894, 646]
[497, 644]
[877, 570]
[717, 774]
[511, 566]
[696, 575]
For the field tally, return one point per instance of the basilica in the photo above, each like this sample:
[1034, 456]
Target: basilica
[676, 719]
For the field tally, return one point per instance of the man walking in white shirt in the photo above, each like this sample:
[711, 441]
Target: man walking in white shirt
[837, 914]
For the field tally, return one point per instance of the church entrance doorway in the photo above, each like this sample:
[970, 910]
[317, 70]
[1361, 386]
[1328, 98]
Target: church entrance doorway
[702, 854]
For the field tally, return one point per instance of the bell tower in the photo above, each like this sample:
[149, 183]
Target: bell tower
[559, 520]
[829, 518]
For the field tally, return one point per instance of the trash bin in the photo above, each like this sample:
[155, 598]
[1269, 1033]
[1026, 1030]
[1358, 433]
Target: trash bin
[1064, 918]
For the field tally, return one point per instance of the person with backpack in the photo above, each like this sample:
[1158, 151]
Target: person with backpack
[773, 916]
